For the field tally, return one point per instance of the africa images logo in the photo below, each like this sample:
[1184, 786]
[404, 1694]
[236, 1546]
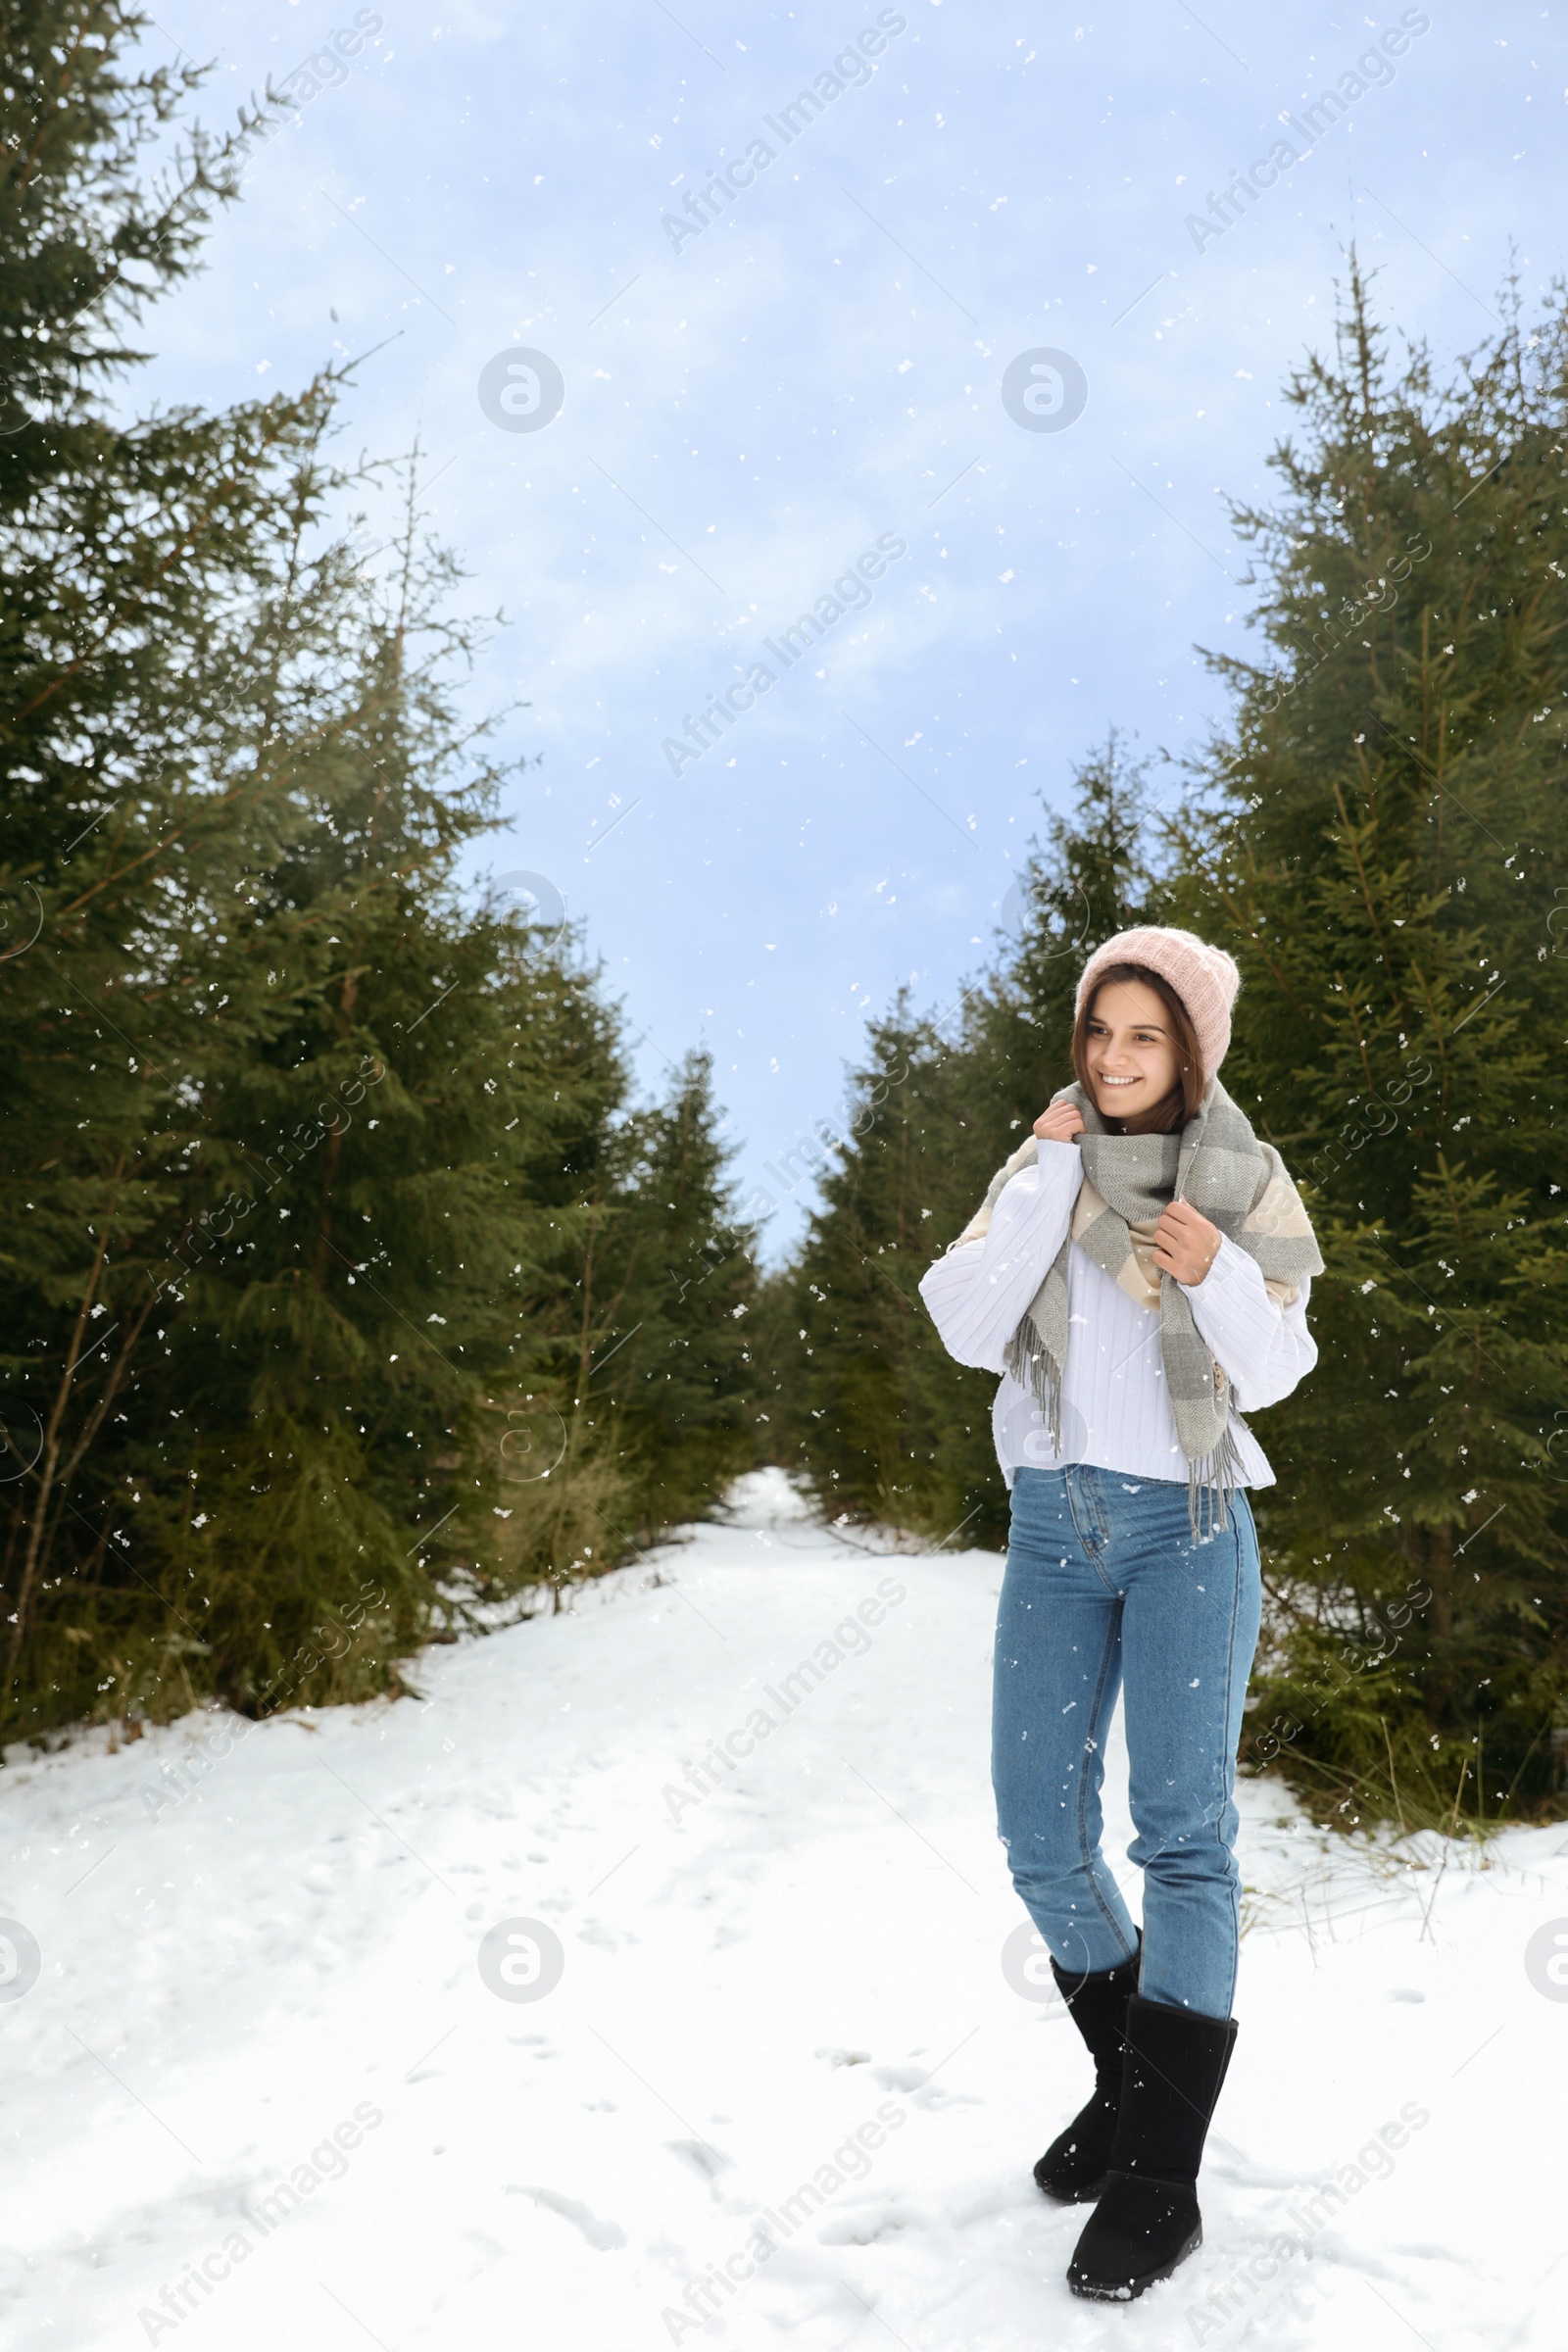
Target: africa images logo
[1045, 390]
[521, 391]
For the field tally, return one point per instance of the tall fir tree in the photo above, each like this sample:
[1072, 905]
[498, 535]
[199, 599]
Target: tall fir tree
[310, 1167]
[1382, 845]
[1379, 837]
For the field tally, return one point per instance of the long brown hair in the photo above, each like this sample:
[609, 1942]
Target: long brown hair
[1187, 1095]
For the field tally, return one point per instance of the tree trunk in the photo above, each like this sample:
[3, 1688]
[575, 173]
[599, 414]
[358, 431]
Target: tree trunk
[1440, 1576]
[50, 1458]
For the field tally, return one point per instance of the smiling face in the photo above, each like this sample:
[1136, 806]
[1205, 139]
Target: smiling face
[1131, 1051]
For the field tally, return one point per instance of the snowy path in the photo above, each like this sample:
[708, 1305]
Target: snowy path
[260, 2048]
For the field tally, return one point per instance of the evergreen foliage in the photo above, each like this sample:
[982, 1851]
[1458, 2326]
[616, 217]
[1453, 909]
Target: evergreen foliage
[877, 1414]
[325, 1199]
[1380, 837]
[1386, 854]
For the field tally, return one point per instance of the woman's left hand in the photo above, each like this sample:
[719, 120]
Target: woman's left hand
[1186, 1244]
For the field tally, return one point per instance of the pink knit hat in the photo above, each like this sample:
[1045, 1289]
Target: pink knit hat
[1205, 978]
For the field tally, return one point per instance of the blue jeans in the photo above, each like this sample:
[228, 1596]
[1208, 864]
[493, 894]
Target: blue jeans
[1107, 1590]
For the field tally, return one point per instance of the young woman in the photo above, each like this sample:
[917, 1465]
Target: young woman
[1138, 1272]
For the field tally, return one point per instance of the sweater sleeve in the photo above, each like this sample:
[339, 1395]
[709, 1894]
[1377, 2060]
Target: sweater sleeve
[1264, 1349]
[977, 1295]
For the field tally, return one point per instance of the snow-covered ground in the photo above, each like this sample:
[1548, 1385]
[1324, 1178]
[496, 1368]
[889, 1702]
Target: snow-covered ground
[273, 2085]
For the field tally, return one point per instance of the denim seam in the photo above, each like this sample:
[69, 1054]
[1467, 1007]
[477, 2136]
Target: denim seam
[1102, 1532]
[1112, 1636]
[1223, 1761]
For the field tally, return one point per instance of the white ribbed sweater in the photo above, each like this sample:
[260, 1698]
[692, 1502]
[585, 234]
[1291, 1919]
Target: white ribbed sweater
[1115, 1410]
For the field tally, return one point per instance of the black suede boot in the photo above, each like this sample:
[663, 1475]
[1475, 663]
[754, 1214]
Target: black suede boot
[1072, 2168]
[1148, 2220]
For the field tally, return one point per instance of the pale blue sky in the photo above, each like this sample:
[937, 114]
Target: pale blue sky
[819, 369]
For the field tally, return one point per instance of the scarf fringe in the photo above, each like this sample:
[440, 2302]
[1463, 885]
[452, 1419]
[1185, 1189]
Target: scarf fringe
[1035, 1368]
[1211, 1481]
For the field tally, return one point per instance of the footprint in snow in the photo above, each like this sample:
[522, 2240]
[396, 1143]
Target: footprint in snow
[1007, 2198]
[603, 2236]
[901, 2077]
[882, 2220]
[915, 2083]
[700, 2155]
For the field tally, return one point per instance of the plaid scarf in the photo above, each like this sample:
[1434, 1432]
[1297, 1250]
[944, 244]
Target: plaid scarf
[1218, 1164]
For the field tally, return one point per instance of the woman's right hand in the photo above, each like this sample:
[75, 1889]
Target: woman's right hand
[1063, 1123]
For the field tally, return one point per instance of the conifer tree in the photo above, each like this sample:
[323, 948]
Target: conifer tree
[1386, 857]
[1379, 837]
[641, 1373]
[314, 1173]
[878, 1414]
[682, 1258]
